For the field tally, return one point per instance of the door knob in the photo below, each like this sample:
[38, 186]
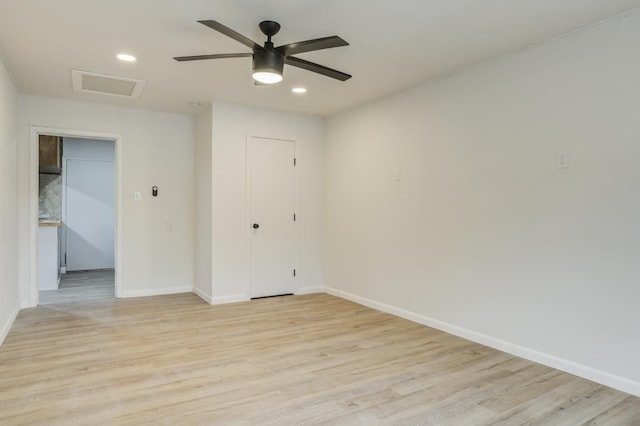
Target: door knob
[256, 226]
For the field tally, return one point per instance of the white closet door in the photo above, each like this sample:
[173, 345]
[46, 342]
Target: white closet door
[271, 201]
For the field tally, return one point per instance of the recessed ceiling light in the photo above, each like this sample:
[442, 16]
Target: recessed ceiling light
[126, 58]
[299, 90]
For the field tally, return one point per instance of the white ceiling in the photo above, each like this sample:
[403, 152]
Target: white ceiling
[393, 44]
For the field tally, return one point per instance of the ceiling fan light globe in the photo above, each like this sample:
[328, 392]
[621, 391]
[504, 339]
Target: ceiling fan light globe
[267, 77]
[267, 66]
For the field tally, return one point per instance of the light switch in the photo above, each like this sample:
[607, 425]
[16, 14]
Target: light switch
[562, 160]
[397, 174]
[137, 196]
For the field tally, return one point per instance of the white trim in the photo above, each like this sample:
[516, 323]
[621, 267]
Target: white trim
[157, 291]
[212, 267]
[247, 229]
[229, 299]
[119, 208]
[6, 328]
[309, 290]
[35, 131]
[33, 217]
[568, 366]
[202, 295]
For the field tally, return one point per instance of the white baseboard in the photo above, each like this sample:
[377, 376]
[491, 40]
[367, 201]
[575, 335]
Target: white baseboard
[229, 299]
[156, 291]
[25, 304]
[6, 327]
[202, 295]
[586, 372]
[309, 290]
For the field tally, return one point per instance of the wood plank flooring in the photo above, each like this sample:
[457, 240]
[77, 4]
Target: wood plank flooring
[314, 359]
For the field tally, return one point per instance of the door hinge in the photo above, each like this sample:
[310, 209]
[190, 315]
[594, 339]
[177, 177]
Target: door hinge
[294, 272]
[294, 161]
[294, 217]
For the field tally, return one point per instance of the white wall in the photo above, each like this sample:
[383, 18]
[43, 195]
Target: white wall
[203, 261]
[156, 149]
[231, 126]
[483, 235]
[9, 290]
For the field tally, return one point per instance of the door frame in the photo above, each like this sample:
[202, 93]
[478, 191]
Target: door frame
[248, 234]
[35, 132]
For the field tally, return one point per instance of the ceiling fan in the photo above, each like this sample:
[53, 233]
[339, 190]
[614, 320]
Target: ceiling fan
[268, 61]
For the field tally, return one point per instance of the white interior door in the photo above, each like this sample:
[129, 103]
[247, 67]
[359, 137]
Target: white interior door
[271, 210]
[90, 214]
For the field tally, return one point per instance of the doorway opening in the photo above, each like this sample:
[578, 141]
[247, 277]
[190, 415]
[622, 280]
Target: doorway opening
[74, 216]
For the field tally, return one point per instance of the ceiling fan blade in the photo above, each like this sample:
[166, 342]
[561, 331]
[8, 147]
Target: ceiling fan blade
[320, 69]
[311, 45]
[215, 25]
[216, 56]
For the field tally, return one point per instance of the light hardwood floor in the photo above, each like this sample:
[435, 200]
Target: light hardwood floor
[312, 359]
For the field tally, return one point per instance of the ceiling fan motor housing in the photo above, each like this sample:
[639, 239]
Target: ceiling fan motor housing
[268, 60]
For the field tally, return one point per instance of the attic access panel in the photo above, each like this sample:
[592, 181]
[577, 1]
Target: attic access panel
[103, 84]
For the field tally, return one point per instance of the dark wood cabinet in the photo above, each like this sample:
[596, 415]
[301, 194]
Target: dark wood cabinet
[50, 154]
